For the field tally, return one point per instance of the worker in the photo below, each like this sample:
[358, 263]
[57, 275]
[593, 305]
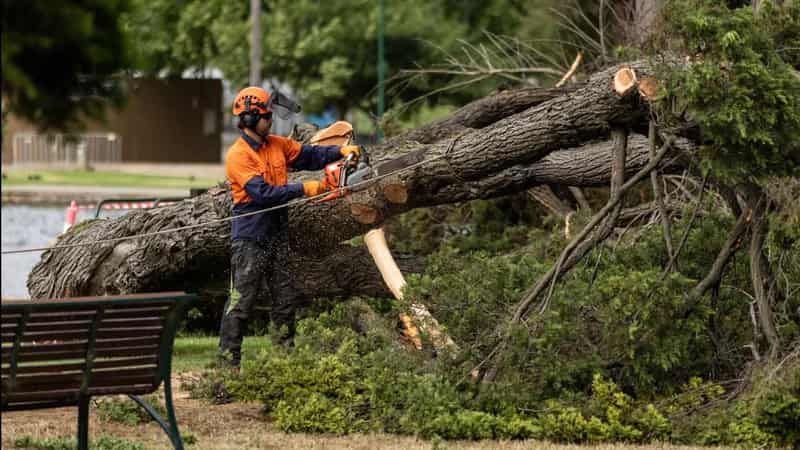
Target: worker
[256, 169]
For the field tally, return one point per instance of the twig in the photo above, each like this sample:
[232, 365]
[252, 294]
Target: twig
[612, 202]
[760, 276]
[617, 177]
[615, 199]
[730, 246]
[659, 195]
[687, 230]
[571, 70]
[582, 202]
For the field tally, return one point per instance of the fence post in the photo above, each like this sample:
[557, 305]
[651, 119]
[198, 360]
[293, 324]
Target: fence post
[82, 157]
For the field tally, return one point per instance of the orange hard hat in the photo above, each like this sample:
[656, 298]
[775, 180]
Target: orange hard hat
[251, 98]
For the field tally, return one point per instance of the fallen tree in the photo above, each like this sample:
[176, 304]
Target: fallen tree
[561, 139]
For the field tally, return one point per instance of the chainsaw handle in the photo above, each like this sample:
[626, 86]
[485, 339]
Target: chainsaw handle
[343, 177]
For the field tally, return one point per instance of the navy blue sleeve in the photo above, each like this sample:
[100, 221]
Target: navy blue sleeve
[315, 157]
[268, 195]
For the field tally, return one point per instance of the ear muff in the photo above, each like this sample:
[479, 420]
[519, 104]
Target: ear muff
[249, 117]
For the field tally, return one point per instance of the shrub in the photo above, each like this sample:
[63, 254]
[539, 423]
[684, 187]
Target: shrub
[70, 443]
[124, 410]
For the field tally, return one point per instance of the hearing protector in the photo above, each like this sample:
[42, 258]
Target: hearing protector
[249, 117]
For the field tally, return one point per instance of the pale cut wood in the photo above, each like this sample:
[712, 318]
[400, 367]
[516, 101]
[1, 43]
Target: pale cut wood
[571, 72]
[648, 87]
[376, 243]
[364, 213]
[624, 80]
[395, 193]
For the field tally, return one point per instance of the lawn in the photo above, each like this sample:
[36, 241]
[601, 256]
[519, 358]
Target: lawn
[196, 352]
[97, 178]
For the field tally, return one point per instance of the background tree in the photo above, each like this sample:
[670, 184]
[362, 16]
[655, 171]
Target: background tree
[61, 59]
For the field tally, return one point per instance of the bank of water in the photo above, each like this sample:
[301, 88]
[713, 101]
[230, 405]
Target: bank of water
[27, 227]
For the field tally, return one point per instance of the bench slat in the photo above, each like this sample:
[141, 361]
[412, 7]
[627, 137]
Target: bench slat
[138, 311]
[46, 347]
[78, 366]
[10, 318]
[154, 321]
[72, 394]
[71, 312]
[78, 351]
[144, 321]
[60, 316]
[36, 327]
[102, 377]
[83, 334]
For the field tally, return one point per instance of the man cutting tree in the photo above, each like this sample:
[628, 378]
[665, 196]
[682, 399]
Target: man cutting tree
[256, 168]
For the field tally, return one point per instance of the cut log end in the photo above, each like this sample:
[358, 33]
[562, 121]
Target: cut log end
[624, 80]
[395, 193]
[648, 88]
[364, 213]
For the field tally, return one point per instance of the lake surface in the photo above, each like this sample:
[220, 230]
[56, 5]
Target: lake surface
[27, 227]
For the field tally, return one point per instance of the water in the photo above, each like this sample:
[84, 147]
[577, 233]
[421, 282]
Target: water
[26, 227]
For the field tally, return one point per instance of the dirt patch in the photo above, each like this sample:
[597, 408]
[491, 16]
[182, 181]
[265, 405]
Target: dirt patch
[238, 426]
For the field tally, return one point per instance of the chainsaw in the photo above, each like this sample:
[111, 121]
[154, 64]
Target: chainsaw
[345, 176]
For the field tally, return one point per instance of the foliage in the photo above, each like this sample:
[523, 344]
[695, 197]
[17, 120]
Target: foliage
[174, 37]
[739, 85]
[497, 225]
[327, 52]
[337, 381]
[607, 318]
[60, 60]
[68, 443]
[124, 410]
[776, 403]
[617, 356]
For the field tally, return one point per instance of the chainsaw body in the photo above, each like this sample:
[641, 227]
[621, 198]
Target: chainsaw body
[343, 176]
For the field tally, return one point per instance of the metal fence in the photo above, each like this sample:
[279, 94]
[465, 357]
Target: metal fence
[60, 149]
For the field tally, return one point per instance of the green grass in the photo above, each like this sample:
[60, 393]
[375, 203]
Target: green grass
[94, 178]
[197, 352]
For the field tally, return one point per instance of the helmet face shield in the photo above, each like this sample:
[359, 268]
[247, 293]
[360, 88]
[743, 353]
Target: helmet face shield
[256, 100]
[282, 105]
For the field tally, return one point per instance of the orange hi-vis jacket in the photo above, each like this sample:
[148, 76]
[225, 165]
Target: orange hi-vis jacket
[257, 174]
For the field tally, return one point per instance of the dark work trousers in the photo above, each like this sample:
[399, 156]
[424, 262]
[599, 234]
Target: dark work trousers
[258, 268]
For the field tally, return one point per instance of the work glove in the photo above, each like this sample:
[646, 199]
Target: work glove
[313, 188]
[347, 149]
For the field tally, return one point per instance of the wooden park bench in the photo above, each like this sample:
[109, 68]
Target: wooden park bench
[62, 352]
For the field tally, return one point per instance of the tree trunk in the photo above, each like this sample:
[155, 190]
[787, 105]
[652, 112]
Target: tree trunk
[545, 143]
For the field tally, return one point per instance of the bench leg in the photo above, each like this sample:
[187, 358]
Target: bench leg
[170, 428]
[83, 422]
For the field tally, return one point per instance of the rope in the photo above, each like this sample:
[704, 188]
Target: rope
[230, 218]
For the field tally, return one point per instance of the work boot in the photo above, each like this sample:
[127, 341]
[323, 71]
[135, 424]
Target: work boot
[224, 370]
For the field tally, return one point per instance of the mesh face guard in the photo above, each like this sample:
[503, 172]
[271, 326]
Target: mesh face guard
[282, 105]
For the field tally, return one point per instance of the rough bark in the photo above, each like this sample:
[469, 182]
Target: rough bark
[545, 143]
[480, 113]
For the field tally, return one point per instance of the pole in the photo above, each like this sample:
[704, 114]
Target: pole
[255, 42]
[381, 71]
